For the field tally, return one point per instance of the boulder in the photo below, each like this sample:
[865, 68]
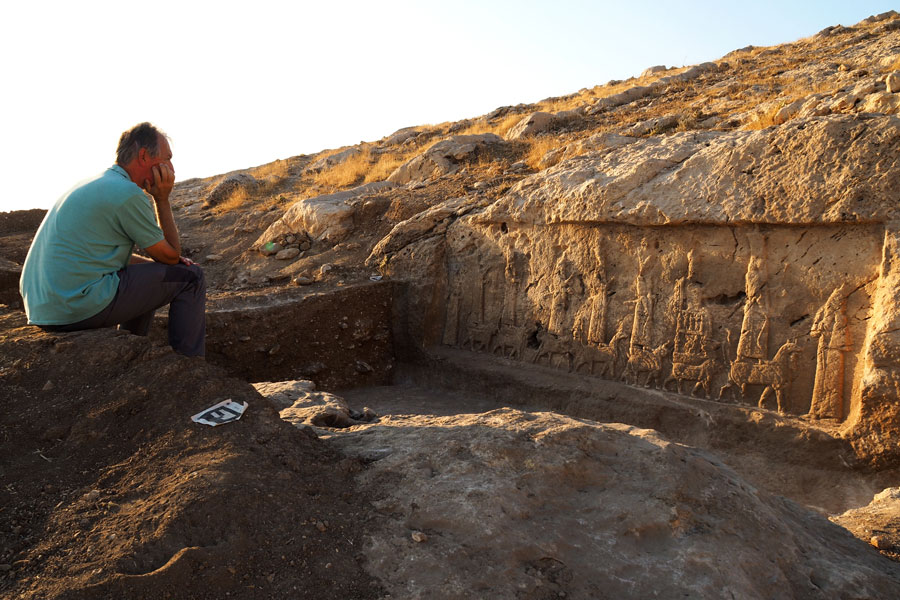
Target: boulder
[288, 254]
[657, 87]
[328, 217]
[443, 157]
[228, 186]
[881, 102]
[284, 393]
[533, 124]
[892, 82]
[786, 113]
[650, 125]
[426, 224]
[879, 515]
[626, 97]
[309, 407]
[653, 70]
[400, 136]
[333, 160]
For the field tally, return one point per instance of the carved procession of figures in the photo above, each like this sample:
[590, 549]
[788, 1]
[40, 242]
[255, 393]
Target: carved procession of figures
[573, 329]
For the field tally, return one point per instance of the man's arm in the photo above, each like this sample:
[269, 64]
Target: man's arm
[167, 251]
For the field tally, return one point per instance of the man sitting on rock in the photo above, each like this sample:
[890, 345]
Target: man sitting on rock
[80, 272]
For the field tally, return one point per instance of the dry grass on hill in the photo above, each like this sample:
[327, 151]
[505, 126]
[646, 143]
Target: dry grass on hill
[365, 167]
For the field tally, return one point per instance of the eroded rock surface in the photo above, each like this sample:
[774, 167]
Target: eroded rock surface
[328, 217]
[444, 157]
[588, 510]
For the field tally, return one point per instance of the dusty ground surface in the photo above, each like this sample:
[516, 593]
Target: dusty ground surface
[110, 491]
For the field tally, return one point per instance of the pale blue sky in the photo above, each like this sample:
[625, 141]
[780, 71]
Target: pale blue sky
[238, 84]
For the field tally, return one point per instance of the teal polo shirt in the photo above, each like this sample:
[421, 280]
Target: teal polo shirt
[70, 272]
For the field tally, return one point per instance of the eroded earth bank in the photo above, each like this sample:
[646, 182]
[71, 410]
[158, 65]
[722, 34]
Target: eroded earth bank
[641, 341]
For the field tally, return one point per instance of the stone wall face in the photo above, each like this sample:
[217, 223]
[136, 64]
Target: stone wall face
[771, 315]
[754, 267]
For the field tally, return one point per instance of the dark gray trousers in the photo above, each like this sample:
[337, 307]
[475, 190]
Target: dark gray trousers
[145, 287]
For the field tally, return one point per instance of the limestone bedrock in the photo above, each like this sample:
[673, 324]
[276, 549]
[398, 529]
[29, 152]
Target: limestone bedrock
[757, 267]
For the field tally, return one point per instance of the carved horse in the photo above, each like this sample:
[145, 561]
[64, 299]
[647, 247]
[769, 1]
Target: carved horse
[606, 355]
[645, 361]
[510, 341]
[774, 374]
[551, 345]
[701, 374]
[478, 335]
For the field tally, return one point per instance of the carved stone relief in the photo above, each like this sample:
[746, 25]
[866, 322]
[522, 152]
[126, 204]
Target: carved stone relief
[772, 316]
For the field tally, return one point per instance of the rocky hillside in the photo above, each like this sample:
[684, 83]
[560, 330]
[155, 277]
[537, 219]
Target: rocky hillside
[722, 230]
[631, 323]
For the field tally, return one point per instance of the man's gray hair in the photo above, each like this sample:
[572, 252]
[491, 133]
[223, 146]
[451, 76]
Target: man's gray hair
[143, 135]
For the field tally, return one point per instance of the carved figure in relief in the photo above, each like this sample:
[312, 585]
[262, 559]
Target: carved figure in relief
[590, 321]
[642, 326]
[693, 357]
[830, 326]
[775, 374]
[701, 374]
[566, 282]
[484, 319]
[605, 355]
[479, 335]
[643, 360]
[754, 340]
[552, 346]
[510, 341]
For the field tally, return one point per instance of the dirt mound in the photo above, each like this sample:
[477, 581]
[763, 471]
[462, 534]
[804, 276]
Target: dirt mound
[109, 490]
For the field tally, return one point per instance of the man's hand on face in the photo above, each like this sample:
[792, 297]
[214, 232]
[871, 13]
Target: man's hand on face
[163, 181]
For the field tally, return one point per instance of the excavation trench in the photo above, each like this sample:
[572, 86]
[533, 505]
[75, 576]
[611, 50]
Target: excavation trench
[353, 342]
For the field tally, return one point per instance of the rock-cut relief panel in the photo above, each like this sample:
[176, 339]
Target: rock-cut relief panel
[772, 316]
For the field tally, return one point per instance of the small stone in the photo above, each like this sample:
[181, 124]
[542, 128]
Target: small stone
[301, 280]
[270, 248]
[288, 254]
[419, 537]
[363, 367]
[212, 257]
[321, 526]
[881, 542]
[47, 386]
[325, 268]
[305, 245]
[290, 239]
[328, 565]
[92, 495]
[480, 185]
[270, 577]
[892, 82]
